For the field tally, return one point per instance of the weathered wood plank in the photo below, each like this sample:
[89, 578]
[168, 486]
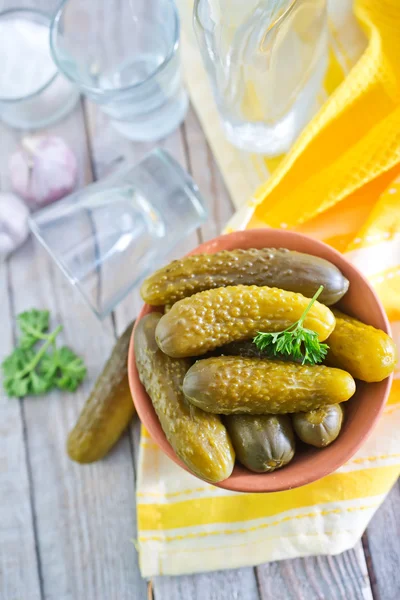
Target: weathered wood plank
[342, 577]
[238, 584]
[382, 548]
[201, 164]
[19, 568]
[85, 515]
[19, 559]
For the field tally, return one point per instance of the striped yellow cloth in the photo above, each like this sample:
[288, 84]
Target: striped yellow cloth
[340, 183]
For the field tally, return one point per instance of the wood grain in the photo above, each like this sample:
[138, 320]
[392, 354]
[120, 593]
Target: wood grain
[342, 577]
[382, 548]
[238, 584]
[19, 569]
[201, 164]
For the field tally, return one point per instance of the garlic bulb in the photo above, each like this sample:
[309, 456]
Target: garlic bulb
[43, 170]
[13, 223]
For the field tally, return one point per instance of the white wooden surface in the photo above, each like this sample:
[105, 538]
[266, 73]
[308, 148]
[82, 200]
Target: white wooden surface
[66, 530]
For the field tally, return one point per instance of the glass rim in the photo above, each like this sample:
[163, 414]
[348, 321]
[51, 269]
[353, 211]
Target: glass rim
[108, 92]
[40, 90]
[287, 10]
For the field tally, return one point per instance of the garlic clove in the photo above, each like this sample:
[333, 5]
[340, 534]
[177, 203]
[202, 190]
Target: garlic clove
[14, 227]
[43, 170]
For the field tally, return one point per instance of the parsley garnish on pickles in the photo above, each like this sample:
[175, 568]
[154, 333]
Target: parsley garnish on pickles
[296, 342]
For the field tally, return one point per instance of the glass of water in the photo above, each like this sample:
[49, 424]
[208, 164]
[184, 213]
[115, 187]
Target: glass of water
[125, 57]
[266, 60]
[108, 236]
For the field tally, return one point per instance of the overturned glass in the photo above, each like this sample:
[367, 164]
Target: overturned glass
[108, 236]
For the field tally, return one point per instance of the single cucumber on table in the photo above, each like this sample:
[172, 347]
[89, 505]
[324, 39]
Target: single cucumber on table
[319, 427]
[281, 268]
[263, 443]
[230, 384]
[207, 320]
[365, 352]
[199, 439]
[108, 410]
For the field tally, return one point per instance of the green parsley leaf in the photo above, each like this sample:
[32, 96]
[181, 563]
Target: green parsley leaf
[32, 368]
[39, 384]
[16, 362]
[71, 369]
[295, 342]
[33, 324]
[48, 366]
[16, 387]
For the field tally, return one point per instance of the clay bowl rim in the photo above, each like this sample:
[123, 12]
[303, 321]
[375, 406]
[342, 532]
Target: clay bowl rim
[335, 455]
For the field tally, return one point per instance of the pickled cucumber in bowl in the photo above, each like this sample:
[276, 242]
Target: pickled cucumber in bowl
[260, 354]
[285, 269]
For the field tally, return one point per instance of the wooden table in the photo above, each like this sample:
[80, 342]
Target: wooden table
[66, 530]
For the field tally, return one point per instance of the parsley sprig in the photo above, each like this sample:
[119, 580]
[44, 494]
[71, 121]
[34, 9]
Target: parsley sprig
[295, 342]
[32, 369]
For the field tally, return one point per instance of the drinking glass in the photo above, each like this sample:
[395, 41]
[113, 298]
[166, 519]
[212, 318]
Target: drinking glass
[125, 57]
[266, 60]
[32, 93]
[108, 236]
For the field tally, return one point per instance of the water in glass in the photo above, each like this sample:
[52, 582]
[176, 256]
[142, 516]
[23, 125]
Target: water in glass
[126, 59]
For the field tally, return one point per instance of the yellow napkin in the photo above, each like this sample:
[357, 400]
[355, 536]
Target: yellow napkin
[340, 183]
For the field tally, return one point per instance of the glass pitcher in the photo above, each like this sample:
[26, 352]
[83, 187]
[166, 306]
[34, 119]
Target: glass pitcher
[266, 60]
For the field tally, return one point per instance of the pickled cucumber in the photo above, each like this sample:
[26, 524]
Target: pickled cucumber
[209, 319]
[108, 410]
[366, 353]
[281, 268]
[262, 443]
[319, 427]
[231, 384]
[199, 439]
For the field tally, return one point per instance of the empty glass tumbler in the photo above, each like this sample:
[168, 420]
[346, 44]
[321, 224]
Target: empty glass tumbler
[108, 236]
[125, 57]
[266, 60]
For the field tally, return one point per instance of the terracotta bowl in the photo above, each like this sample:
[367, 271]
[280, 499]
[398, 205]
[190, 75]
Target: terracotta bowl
[363, 409]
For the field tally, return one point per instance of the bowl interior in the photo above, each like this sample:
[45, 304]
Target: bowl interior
[362, 411]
